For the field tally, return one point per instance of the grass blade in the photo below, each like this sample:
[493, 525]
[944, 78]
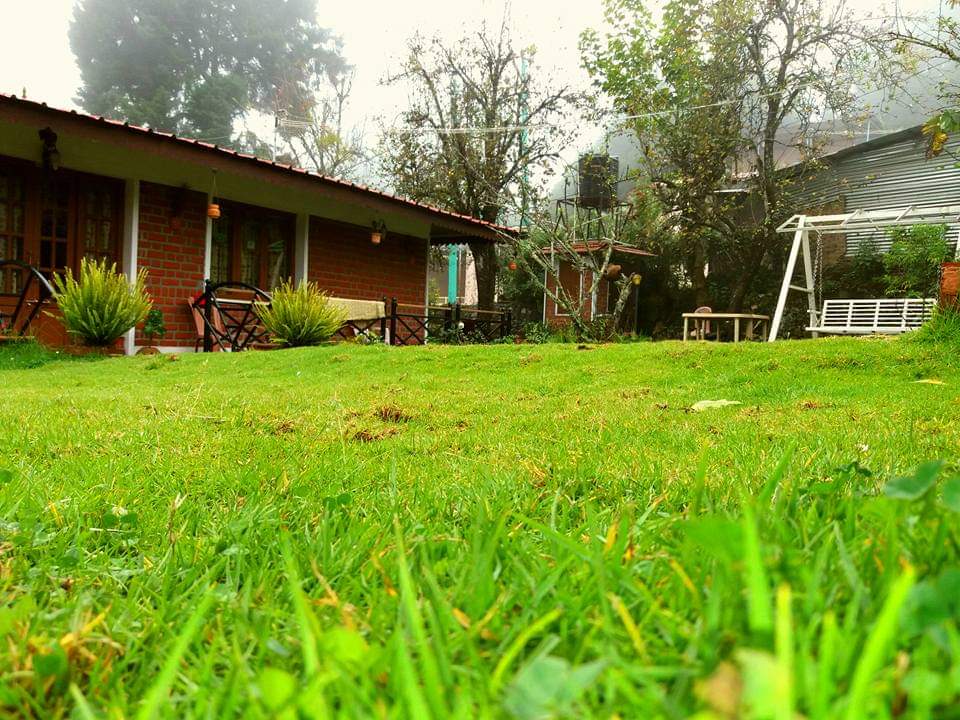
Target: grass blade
[759, 611]
[305, 619]
[157, 694]
[876, 646]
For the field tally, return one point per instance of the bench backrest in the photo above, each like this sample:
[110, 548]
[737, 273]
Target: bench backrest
[895, 313]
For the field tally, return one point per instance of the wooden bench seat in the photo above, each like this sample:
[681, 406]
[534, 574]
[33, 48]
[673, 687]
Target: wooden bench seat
[880, 316]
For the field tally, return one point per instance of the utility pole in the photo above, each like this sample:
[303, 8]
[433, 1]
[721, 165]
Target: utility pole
[524, 116]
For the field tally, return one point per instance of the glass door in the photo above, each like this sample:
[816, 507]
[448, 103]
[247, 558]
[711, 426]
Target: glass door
[13, 212]
[57, 238]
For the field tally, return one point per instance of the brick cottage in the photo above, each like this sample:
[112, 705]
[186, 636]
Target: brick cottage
[75, 185]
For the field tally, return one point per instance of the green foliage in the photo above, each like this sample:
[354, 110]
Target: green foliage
[196, 66]
[699, 81]
[858, 276]
[301, 316]
[943, 327]
[913, 262]
[536, 333]
[100, 305]
[153, 326]
[519, 289]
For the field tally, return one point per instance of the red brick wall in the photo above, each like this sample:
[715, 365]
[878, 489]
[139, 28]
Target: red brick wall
[344, 263]
[171, 248]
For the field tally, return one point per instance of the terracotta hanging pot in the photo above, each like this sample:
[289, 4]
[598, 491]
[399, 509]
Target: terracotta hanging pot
[213, 211]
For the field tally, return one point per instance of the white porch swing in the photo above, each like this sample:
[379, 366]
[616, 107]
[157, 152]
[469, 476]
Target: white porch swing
[854, 316]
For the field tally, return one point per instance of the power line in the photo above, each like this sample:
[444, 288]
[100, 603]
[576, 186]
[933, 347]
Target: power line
[642, 116]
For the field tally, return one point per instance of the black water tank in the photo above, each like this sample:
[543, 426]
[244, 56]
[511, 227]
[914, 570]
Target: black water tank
[597, 180]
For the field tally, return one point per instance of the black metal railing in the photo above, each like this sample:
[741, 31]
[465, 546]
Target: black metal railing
[232, 323]
[419, 324]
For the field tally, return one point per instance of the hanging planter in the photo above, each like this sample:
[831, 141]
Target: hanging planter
[213, 209]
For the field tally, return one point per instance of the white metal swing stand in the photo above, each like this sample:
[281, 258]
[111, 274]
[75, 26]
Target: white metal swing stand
[856, 317]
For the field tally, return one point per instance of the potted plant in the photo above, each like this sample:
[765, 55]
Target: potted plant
[154, 329]
[100, 304]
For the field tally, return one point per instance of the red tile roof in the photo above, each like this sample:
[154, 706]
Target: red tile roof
[272, 164]
[582, 248]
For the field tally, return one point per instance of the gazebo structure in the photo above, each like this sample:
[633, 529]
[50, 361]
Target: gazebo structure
[859, 221]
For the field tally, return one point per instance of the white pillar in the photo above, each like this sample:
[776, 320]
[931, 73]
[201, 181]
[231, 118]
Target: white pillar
[808, 277]
[301, 251]
[131, 234]
[787, 278]
[208, 242]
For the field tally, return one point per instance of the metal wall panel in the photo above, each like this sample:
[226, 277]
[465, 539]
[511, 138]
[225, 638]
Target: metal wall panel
[895, 176]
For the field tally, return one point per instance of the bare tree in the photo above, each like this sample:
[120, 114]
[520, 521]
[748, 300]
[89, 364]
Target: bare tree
[480, 128]
[312, 124]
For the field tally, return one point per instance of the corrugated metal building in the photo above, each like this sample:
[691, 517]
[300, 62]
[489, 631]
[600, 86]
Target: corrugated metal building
[889, 172]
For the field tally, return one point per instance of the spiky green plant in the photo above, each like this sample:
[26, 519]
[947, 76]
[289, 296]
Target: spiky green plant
[301, 315]
[101, 304]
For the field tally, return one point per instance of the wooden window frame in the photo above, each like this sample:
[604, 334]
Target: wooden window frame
[34, 179]
[239, 214]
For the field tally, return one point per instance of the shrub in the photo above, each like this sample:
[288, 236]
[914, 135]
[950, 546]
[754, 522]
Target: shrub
[100, 305]
[301, 316]
[861, 275]
[913, 262]
[942, 327]
[154, 327]
[536, 332]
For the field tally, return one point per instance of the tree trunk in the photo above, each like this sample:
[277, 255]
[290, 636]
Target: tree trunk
[701, 293]
[485, 265]
[752, 265]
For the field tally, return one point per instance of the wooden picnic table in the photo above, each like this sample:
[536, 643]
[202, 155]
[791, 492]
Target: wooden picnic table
[701, 319]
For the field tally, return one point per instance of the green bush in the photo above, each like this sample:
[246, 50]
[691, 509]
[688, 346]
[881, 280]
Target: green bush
[153, 327]
[861, 275]
[536, 332]
[100, 305]
[942, 327]
[913, 262]
[301, 316]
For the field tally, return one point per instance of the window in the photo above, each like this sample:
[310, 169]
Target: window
[100, 221]
[13, 208]
[56, 238]
[52, 220]
[220, 250]
[251, 245]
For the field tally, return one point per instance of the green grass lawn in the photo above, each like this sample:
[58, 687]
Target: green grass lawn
[519, 531]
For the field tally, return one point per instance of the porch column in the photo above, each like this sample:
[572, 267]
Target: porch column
[207, 241]
[131, 234]
[301, 249]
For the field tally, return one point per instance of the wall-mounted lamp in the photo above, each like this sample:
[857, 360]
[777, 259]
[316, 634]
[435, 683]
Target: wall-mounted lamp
[51, 156]
[379, 232]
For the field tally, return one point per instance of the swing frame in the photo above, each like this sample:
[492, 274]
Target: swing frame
[857, 221]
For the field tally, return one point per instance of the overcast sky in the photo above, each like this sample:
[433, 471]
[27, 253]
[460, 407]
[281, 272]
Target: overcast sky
[35, 50]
